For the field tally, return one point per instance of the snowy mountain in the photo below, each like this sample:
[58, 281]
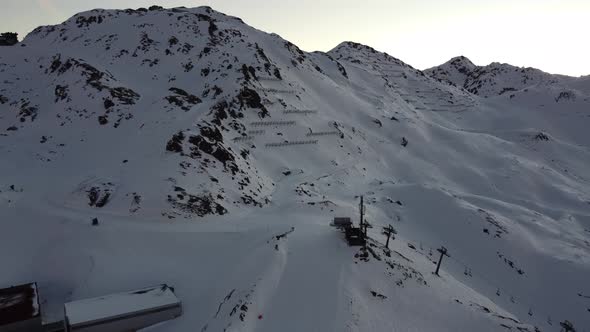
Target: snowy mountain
[498, 79]
[215, 155]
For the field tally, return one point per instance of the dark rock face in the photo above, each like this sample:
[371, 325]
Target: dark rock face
[250, 98]
[8, 38]
[108, 103]
[124, 95]
[297, 53]
[27, 111]
[210, 141]
[83, 21]
[201, 205]
[565, 95]
[103, 120]
[94, 78]
[61, 92]
[249, 72]
[219, 112]
[541, 137]
[209, 148]
[175, 143]
[183, 99]
[98, 197]
[341, 69]
[505, 90]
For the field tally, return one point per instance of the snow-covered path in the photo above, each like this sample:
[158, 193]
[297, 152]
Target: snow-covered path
[308, 291]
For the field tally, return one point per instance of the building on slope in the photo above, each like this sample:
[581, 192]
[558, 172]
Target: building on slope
[8, 39]
[19, 309]
[342, 222]
[129, 311]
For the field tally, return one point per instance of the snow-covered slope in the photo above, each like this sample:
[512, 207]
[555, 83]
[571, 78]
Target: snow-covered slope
[500, 78]
[197, 141]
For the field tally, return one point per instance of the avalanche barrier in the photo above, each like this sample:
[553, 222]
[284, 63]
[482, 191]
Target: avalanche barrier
[272, 123]
[270, 145]
[323, 133]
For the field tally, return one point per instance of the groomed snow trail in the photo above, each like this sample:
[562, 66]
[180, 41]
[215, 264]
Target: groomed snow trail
[311, 283]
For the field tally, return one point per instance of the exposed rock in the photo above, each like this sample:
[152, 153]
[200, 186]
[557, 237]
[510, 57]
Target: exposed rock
[541, 137]
[61, 92]
[250, 98]
[183, 99]
[99, 197]
[175, 143]
[200, 205]
[103, 120]
[565, 95]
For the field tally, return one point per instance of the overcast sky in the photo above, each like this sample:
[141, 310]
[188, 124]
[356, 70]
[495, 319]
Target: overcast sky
[551, 35]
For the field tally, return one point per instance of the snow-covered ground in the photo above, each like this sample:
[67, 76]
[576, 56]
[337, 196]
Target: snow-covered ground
[196, 140]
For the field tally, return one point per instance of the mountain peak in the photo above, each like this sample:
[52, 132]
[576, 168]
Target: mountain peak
[156, 15]
[357, 53]
[463, 60]
[355, 45]
[491, 80]
[461, 64]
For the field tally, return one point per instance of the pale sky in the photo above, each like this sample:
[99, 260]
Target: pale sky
[551, 35]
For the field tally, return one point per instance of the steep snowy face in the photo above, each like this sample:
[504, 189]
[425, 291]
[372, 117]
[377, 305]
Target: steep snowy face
[358, 54]
[498, 78]
[406, 88]
[138, 99]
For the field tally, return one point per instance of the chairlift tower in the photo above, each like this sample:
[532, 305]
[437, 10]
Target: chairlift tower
[443, 252]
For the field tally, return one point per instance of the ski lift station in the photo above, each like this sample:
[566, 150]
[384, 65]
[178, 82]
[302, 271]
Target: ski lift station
[342, 222]
[19, 309]
[129, 311]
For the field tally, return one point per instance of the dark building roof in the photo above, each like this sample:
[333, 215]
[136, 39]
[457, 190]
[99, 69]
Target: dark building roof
[19, 303]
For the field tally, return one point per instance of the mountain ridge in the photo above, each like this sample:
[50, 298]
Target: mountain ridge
[460, 71]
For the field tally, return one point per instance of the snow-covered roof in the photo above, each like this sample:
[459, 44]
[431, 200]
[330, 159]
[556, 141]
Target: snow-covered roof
[18, 303]
[121, 304]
